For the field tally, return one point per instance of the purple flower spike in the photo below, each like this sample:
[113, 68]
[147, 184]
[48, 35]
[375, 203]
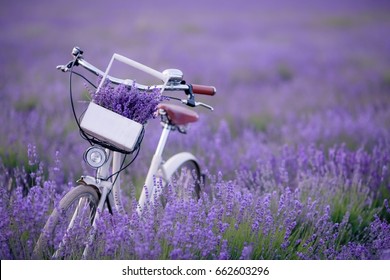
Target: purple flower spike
[128, 101]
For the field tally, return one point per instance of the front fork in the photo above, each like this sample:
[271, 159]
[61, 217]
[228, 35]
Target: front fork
[105, 188]
[108, 192]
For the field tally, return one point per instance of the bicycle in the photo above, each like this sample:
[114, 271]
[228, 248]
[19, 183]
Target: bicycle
[81, 206]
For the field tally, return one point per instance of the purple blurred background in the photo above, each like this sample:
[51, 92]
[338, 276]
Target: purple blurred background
[302, 115]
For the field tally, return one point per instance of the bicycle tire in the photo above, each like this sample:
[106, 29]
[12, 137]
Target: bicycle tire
[63, 239]
[185, 182]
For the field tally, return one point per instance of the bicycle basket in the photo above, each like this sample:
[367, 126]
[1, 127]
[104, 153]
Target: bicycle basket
[110, 129]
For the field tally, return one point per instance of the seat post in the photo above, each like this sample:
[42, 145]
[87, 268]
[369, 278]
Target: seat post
[163, 138]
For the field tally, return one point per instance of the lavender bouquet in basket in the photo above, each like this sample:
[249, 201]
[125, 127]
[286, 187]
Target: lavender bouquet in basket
[128, 101]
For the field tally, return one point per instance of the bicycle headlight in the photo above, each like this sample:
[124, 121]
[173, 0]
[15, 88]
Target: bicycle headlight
[95, 156]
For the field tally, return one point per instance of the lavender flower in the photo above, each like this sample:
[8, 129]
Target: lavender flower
[296, 169]
[128, 101]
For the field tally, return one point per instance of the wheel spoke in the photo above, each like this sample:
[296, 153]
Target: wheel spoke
[185, 182]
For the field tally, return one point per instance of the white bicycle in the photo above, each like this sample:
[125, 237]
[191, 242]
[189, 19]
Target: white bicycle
[69, 231]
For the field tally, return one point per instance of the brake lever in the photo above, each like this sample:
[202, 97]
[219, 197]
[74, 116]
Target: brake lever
[204, 105]
[65, 68]
[196, 104]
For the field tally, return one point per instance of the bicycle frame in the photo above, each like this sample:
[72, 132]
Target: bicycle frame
[110, 189]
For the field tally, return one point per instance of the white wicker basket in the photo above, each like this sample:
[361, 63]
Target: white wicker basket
[111, 127]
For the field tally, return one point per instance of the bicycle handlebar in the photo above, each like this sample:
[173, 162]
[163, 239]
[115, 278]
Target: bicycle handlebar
[206, 90]
[173, 77]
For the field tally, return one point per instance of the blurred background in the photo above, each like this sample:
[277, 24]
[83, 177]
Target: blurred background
[291, 72]
[296, 152]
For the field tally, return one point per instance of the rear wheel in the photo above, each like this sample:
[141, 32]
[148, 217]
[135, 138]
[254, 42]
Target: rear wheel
[184, 184]
[68, 228]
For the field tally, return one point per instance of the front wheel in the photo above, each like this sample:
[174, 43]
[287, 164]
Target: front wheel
[68, 228]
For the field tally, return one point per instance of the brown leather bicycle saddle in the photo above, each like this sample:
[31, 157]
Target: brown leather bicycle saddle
[178, 115]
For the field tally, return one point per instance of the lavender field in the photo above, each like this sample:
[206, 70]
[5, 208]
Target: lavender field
[296, 153]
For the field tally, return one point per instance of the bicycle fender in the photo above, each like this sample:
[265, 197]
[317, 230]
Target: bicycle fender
[169, 167]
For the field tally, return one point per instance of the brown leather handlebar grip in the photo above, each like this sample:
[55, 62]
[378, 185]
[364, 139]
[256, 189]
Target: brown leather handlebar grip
[206, 90]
